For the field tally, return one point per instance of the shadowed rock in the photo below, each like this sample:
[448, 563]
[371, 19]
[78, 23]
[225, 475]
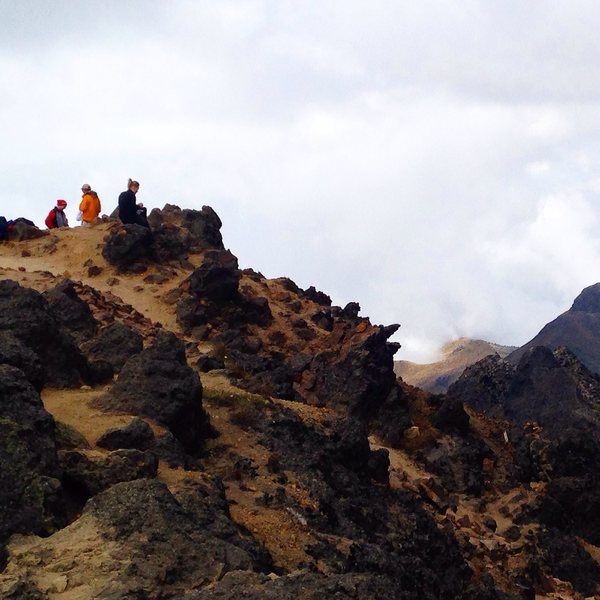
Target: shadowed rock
[158, 383]
[128, 246]
[30, 490]
[92, 473]
[217, 278]
[552, 389]
[114, 344]
[71, 312]
[27, 315]
[577, 329]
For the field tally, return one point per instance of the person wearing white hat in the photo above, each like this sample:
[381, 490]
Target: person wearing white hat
[89, 207]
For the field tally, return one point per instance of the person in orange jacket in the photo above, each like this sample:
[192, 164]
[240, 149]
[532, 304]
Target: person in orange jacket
[56, 217]
[90, 205]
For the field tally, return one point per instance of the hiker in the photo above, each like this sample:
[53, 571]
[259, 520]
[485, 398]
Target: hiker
[90, 205]
[56, 217]
[129, 210]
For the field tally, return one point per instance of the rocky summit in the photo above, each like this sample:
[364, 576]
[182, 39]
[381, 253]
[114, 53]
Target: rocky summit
[577, 329]
[173, 426]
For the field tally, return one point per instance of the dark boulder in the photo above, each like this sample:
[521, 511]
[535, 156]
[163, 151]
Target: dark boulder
[128, 246]
[27, 315]
[71, 312]
[14, 352]
[91, 473]
[358, 379]
[217, 278]
[392, 419]
[318, 297]
[452, 417]
[25, 231]
[114, 344]
[170, 243]
[562, 556]
[206, 502]
[136, 434]
[158, 383]
[201, 228]
[30, 490]
[167, 551]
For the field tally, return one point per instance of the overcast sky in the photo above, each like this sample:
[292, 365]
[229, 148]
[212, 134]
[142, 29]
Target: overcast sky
[438, 162]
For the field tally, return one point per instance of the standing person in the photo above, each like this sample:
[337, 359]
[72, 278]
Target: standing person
[90, 205]
[127, 204]
[56, 217]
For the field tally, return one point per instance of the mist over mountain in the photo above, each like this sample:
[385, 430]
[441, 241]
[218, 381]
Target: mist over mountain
[436, 377]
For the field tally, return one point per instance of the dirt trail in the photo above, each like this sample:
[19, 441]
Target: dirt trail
[64, 253]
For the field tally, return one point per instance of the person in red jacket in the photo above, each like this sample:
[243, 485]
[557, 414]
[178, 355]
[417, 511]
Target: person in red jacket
[56, 217]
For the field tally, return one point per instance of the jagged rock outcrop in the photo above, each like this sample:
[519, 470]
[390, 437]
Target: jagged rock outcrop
[71, 312]
[114, 344]
[393, 543]
[158, 383]
[30, 488]
[26, 315]
[128, 247]
[175, 234]
[332, 357]
[136, 434]
[88, 473]
[577, 329]
[217, 278]
[553, 389]
[139, 542]
[202, 227]
[14, 352]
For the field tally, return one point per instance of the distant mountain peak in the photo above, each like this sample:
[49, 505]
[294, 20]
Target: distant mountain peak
[588, 301]
[456, 355]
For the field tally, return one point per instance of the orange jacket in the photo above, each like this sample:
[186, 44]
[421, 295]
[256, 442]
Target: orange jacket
[90, 206]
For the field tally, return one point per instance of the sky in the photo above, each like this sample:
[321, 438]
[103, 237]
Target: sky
[438, 162]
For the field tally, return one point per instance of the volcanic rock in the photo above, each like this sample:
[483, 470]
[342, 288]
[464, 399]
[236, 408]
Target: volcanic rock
[553, 389]
[577, 329]
[71, 312]
[158, 383]
[27, 315]
[128, 246]
[217, 278]
[202, 227]
[14, 352]
[114, 344]
[139, 542]
[30, 490]
[91, 473]
[136, 434]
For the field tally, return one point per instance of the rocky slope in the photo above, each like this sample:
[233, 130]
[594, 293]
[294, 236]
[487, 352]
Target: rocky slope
[577, 329]
[173, 427]
[456, 356]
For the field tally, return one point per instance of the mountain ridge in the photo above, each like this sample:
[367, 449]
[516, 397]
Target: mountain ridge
[456, 356]
[216, 434]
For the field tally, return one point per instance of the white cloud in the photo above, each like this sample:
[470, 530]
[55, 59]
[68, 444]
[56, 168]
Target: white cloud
[438, 163]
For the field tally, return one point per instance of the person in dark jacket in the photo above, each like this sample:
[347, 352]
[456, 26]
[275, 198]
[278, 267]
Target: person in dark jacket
[127, 204]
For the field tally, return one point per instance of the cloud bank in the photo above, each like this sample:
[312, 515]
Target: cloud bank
[437, 163]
